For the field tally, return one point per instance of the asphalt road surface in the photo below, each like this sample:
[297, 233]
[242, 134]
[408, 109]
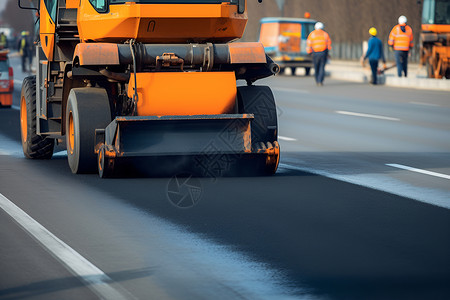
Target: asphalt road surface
[359, 209]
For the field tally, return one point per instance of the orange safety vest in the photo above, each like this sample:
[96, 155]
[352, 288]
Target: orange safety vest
[318, 41]
[402, 41]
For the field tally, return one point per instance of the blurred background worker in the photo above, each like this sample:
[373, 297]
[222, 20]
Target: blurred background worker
[3, 41]
[401, 39]
[318, 43]
[25, 49]
[374, 54]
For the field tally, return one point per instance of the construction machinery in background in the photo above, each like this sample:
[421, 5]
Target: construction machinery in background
[435, 38]
[284, 39]
[150, 87]
[6, 80]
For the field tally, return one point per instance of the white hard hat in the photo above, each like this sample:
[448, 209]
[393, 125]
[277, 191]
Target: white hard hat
[402, 20]
[319, 25]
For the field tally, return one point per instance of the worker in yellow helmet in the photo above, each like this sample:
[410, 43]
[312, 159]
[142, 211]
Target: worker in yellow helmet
[3, 41]
[25, 49]
[374, 54]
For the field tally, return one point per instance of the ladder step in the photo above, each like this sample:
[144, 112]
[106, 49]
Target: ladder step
[67, 23]
[69, 39]
[51, 133]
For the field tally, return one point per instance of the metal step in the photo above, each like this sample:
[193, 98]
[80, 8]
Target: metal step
[67, 16]
[69, 39]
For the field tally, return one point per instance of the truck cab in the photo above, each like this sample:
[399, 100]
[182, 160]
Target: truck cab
[6, 80]
[284, 40]
[435, 38]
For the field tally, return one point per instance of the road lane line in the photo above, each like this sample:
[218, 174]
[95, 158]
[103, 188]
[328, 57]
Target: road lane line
[286, 138]
[424, 103]
[379, 183]
[96, 280]
[419, 171]
[18, 82]
[349, 113]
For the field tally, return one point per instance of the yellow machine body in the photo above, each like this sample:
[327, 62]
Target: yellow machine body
[177, 94]
[161, 23]
[151, 87]
[435, 38]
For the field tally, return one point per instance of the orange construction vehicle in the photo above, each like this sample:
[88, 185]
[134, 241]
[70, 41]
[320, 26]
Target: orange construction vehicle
[145, 86]
[435, 38]
[284, 39]
[6, 80]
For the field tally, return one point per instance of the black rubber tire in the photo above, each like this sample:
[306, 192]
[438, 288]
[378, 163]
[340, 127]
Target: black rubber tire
[88, 109]
[293, 69]
[259, 101]
[430, 71]
[307, 71]
[34, 145]
[105, 164]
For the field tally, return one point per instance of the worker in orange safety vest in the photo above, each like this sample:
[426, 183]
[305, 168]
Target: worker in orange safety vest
[318, 43]
[401, 39]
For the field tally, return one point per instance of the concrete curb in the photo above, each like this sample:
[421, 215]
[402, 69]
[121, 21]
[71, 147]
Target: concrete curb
[419, 83]
[342, 72]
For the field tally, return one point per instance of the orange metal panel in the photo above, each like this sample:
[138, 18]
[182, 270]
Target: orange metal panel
[96, 54]
[6, 99]
[72, 3]
[436, 28]
[48, 44]
[184, 93]
[241, 53]
[269, 34]
[47, 32]
[290, 37]
[160, 23]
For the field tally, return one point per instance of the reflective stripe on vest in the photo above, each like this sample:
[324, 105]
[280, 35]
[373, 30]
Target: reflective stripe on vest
[401, 40]
[318, 41]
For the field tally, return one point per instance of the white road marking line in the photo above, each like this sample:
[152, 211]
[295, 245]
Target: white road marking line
[379, 183]
[290, 90]
[365, 115]
[286, 138]
[95, 279]
[423, 103]
[18, 82]
[15, 107]
[419, 171]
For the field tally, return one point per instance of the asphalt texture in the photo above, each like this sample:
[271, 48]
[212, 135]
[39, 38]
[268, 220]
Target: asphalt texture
[334, 223]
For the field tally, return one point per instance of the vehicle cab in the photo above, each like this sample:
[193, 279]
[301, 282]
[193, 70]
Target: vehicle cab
[284, 40]
[6, 80]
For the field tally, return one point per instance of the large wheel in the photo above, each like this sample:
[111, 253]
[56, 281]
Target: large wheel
[307, 71]
[105, 164]
[293, 69]
[430, 68]
[87, 109]
[34, 145]
[259, 101]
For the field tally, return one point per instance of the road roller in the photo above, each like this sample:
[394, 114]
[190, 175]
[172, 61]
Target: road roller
[148, 87]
